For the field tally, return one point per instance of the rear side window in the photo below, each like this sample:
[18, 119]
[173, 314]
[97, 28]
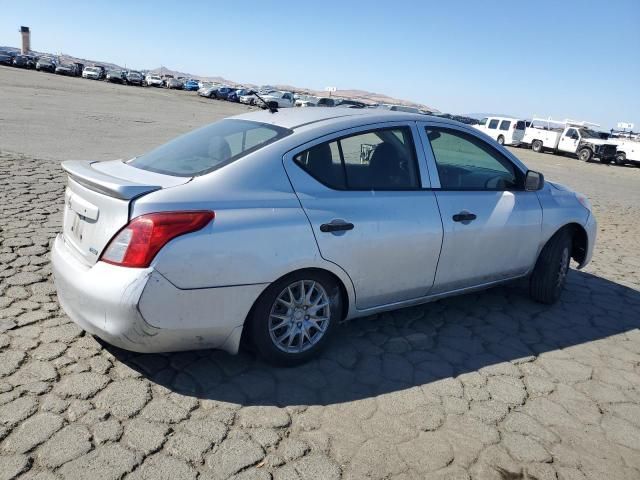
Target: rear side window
[209, 148]
[505, 124]
[323, 163]
[376, 160]
[493, 124]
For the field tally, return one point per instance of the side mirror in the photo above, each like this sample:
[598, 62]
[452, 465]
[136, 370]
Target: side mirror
[533, 181]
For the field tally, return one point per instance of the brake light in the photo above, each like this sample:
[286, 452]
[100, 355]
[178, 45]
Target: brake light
[138, 243]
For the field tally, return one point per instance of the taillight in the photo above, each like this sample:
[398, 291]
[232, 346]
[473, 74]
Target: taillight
[138, 243]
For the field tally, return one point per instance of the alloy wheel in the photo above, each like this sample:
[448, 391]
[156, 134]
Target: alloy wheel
[299, 316]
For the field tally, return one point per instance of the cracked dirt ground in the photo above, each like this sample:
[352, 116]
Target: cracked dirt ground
[483, 386]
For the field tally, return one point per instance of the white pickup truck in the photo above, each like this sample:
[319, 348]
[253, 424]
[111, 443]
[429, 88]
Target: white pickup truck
[628, 151]
[568, 136]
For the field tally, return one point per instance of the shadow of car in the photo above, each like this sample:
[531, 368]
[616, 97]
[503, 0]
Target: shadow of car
[406, 348]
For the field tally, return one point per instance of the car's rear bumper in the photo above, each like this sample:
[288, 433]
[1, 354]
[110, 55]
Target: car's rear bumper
[140, 310]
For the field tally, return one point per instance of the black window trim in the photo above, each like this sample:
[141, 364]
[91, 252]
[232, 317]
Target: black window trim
[337, 139]
[488, 147]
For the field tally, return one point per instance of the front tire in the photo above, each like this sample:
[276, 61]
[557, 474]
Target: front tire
[536, 146]
[585, 154]
[294, 318]
[550, 273]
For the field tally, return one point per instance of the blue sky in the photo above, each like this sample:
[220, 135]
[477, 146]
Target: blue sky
[576, 59]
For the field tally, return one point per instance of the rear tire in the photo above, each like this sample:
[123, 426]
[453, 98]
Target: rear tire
[286, 325]
[621, 159]
[585, 154]
[500, 140]
[550, 273]
[536, 146]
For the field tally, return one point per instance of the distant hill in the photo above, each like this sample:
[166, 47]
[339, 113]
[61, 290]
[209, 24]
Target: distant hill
[361, 95]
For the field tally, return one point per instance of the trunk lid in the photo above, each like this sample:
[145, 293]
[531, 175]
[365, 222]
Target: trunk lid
[97, 201]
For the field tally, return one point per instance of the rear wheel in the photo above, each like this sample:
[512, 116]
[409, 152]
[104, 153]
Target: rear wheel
[621, 159]
[294, 318]
[585, 154]
[536, 146]
[501, 140]
[550, 273]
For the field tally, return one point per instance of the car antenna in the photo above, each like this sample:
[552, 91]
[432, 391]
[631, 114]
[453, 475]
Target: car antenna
[268, 105]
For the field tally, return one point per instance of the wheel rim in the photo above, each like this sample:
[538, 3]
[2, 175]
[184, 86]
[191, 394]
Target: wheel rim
[584, 155]
[563, 270]
[299, 317]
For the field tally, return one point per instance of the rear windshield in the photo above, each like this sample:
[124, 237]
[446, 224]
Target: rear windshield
[209, 148]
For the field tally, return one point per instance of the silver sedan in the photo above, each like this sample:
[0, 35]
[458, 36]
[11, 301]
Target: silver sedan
[274, 227]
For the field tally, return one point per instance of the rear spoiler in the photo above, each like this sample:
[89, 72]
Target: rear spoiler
[82, 172]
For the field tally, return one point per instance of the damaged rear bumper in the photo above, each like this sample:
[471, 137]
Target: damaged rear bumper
[138, 309]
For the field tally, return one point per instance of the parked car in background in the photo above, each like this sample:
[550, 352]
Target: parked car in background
[326, 102]
[348, 103]
[569, 136]
[306, 101]
[24, 61]
[173, 84]
[92, 73]
[235, 95]
[249, 99]
[208, 91]
[165, 78]
[69, 69]
[223, 92]
[134, 78]
[504, 130]
[6, 58]
[282, 99]
[46, 64]
[191, 85]
[153, 80]
[357, 211]
[404, 108]
[116, 76]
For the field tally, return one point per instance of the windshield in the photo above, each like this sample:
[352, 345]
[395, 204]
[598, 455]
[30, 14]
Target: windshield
[586, 133]
[92, 69]
[209, 148]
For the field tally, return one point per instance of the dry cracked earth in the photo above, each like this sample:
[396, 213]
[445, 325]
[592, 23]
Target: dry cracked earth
[484, 386]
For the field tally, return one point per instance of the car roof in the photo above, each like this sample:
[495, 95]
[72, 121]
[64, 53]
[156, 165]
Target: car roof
[293, 118]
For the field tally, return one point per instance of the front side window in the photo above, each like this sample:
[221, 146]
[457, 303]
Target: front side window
[505, 124]
[376, 160]
[208, 148]
[493, 124]
[571, 132]
[465, 162]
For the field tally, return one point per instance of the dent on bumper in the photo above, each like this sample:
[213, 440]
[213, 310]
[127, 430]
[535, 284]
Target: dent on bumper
[140, 310]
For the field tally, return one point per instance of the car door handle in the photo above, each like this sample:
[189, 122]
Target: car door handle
[336, 226]
[464, 217]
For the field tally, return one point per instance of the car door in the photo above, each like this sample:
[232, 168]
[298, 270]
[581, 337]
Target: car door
[361, 190]
[569, 140]
[492, 226]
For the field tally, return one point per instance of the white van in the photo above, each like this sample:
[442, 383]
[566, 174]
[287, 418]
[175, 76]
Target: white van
[504, 130]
